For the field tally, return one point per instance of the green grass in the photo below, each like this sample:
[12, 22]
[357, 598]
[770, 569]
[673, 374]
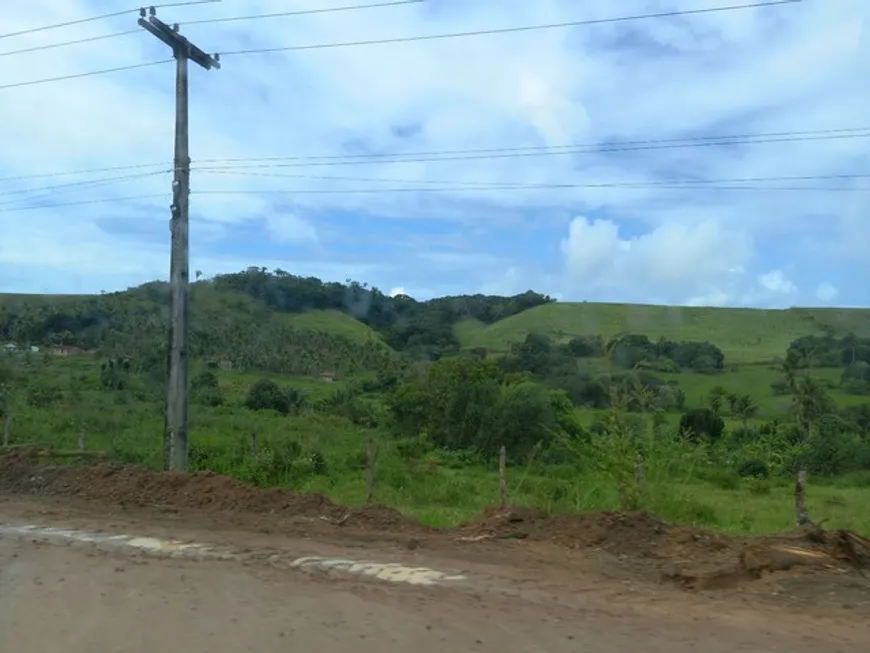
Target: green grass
[333, 322]
[438, 488]
[744, 334]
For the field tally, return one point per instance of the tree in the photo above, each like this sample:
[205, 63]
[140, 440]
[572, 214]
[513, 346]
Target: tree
[700, 422]
[524, 418]
[716, 398]
[265, 394]
[744, 408]
[205, 389]
[811, 402]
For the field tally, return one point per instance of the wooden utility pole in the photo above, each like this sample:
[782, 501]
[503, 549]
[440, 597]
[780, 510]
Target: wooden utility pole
[175, 443]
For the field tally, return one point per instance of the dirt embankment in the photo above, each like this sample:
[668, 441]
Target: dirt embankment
[693, 558]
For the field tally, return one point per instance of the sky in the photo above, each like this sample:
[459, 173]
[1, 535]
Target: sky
[357, 183]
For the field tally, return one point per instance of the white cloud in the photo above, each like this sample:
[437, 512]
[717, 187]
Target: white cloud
[776, 282]
[398, 290]
[671, 263]
[791, 68]
[826, 292]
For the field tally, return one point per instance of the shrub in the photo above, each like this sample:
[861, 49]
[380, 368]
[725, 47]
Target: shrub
[700, 422]
[266, 395]
[753, 468]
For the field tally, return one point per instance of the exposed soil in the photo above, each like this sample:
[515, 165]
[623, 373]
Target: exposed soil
[692, 558]
[61, 599]
[203, 491]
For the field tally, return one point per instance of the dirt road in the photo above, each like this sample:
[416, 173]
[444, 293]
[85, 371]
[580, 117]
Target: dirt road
[118, 559]
[57, 594]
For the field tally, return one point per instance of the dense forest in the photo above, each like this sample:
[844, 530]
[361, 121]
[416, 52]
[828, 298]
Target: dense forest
[227, 309]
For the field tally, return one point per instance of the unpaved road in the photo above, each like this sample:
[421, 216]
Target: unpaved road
[79, 599]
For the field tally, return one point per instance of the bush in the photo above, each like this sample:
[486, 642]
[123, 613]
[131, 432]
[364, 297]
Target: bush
[700, 422]
[753, 468]
[206, 389]
[266, 395]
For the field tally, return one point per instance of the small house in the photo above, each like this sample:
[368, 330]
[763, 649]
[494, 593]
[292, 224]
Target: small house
[65, 350]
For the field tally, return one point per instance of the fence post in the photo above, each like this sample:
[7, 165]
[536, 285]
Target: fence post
[371, 459]
[7, 430]
[502, 478]
[255, 447]
[82, 428]
[639, 471]
[803, 516]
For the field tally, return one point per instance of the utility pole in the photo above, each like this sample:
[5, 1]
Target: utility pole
[175, 444]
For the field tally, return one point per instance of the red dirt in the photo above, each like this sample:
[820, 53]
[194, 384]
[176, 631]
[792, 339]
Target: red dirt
[126, 485]
[694, 558]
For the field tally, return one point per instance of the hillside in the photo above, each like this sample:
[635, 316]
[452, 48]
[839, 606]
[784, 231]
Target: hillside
[255, 310]
[743, 334]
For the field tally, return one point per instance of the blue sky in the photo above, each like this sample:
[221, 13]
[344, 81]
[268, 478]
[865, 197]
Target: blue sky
[797, 67]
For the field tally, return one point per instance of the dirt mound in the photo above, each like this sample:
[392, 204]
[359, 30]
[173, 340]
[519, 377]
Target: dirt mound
[636, 534]
[691, 557]
[127, 485]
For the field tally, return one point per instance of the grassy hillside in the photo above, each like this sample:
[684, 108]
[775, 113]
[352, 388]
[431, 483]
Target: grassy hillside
[743, 334]
[335, 323]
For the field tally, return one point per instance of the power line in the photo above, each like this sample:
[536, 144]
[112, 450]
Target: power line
[623, 186]
[58, 205]
[675, 183]
[301, 12]
[695, 185]
[302, 162]
[377, 180]
[441, 155]
[427, 37]
[576, 148]
[113, 14]
[508, 30]
[85, 171]
[475, 185]
[91, 73]
[206, 21]
[63, 44]
[75, 185]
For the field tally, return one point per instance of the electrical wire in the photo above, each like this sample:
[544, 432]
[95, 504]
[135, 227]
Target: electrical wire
[508, 30]
[301, 12]
[63, 44]
[109, 200]
[306, 163]
[114, 14]
[85, 171]
[545, 150]
[376, 180]
[75, 185]
[206, 21]
[578, 148]
[695, 185]
[405, 39]
[672, 183]
[91, 73]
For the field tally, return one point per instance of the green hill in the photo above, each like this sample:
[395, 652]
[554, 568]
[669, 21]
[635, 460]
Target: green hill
[335, 323]
[743, 334]
[256, 308]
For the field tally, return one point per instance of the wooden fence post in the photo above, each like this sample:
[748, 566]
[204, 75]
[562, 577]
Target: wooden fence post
[255, 447]
[803, 516]
[639, 471]
[371, 459]
[7, 430]
[502, 478]
[82, 428]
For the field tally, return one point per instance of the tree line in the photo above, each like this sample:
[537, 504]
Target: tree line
[422, 329]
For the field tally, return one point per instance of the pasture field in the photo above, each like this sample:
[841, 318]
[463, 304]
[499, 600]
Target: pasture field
[314, 452]
[744, 335]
